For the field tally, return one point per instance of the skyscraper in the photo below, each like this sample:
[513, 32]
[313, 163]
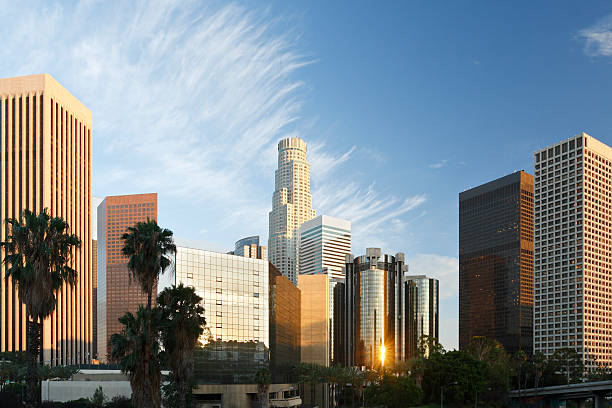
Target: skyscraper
[116, 292]
[291, 205]
[250, 248]
[45, 147]
[573, 246]
[94, 297]
[496, 262]
[427, 305]
[374, 307]
[323, 245]
[315, 327]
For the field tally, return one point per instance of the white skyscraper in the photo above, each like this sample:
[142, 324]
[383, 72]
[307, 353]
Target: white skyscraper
[573, 249]
[323, 244]
[291, 205]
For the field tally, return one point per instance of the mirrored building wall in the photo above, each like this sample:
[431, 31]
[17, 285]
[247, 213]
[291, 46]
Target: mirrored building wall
[373, 331]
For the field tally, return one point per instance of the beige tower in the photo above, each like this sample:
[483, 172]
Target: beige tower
[573, 247]
[45, 137]
[291, 205]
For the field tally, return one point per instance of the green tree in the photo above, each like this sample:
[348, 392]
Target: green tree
[148, 248]
[183, 323]
[98, 399]
[128, 350]
[393, 391]
[38, 252]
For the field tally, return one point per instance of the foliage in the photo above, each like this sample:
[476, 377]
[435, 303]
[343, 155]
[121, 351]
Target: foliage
[128, 350]
[263, 378]
[182, 317]
[148, 248]
[393, 391]
[98, 398]
[38, 252]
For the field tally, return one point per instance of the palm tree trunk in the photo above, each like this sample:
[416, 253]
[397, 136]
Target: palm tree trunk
[148, 397]
[32, 347]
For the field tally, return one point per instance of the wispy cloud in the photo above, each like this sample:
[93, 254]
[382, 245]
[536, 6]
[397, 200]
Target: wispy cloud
[598, 38]
[438, 165]
[371, 212]
[322, 162]
[444, 268]
[186, 96]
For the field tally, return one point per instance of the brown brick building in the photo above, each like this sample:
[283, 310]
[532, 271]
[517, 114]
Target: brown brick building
[116, 292]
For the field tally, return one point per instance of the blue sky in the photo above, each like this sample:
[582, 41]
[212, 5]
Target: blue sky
[403, 105]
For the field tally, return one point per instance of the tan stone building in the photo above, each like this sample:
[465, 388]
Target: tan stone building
[291, 205]
[45, 151]
[116, 292]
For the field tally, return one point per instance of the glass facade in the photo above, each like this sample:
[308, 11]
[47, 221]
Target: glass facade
[252, 316]
[427, 300]
[235, 290]
[496, 262]
[374, 297]
[285, 319]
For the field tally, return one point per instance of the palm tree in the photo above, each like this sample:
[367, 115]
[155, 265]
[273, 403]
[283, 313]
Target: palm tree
[127, 348]
[183, 324]
[38, 251]
[263, 378]
[148, 246]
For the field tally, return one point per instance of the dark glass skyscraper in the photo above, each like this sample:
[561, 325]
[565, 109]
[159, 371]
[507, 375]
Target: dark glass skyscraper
[496, 262]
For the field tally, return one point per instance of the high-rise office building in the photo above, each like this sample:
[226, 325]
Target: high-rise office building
[323, 244]
[573, 245]
[375, 331]
[94, 297]
[496, 262]
[427, 305]
[116, 292]
[315, 326]
[247, 302]
[45, 146]
[291, 205]
[250, 248]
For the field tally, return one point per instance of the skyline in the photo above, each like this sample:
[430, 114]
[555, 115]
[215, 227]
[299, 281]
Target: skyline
[442, 104]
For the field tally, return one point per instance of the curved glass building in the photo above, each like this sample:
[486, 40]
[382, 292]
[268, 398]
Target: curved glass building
[374, 331]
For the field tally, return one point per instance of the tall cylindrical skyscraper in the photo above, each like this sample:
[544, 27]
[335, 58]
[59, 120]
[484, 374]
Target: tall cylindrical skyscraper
[291, 205]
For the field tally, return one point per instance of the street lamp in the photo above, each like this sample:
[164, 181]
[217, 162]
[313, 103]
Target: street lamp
[442, 392]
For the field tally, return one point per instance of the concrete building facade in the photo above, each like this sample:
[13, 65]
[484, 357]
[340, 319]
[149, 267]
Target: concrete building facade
[291, 205]
[116, 292]
[573, 249]
[45, 149]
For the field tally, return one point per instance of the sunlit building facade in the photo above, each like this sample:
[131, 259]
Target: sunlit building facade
[573, 249]
[45, 150]
[315, 319]
[250, 248]
[291, 205]
[116, 292]
[496, 262]
[323, 244]
[374, 295]
[427, 305]
[251, 311]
